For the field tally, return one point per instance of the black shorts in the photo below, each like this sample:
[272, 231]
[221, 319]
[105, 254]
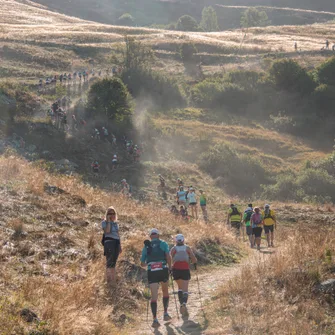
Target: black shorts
[236, 225]
[257, 231]
[268, 229]
[111, 251]
[248, 230]
[161, 276]
[181, 274]
[192, 203]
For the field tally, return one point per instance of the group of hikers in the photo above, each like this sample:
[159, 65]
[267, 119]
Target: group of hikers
[160, 261]
[326, 47]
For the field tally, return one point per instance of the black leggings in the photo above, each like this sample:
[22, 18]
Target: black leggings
[111, 251]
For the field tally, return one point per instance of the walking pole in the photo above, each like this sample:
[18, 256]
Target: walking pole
[199, 291]
[175, 300]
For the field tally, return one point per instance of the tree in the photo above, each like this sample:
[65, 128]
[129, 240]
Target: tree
[135, 55]
[187, 23]
[288, 75]
[109, 98]
[187, 52]
[326, 72]
[126, 20]
[253, 17]
[209, 19]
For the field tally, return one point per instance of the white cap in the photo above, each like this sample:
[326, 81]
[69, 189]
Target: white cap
[123, 181]
[115, 156]
[180, 238]
[154, 231]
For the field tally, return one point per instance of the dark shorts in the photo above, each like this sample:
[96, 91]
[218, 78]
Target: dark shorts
[268, 229]
[111, 251]
[161, 276]
[257, 231]
[248, 230]
[193, 204]
[181, 274]
[236, 225]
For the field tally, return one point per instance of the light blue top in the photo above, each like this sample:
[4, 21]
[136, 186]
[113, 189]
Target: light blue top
[114, 229]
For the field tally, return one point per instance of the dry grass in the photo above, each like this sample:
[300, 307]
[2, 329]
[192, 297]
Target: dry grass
[274, 294]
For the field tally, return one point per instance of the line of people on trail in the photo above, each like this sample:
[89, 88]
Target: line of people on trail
[161, 264]
[254, 220]
[186, 199]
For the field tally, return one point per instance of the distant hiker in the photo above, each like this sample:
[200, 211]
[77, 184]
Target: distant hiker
[183, 212]
[181, 254]
[270, 223]
[74, 123]
[181, 196]
[248, 228]
[136, 154]
[115, 162]
[234, 218]
[192, 200]
[296, 46]
[257, 223]
[162, 184]
[74, 76]
[174, 210]
[327, 45]
[156, 256]
[64, 121]
[203, 205]
[40, 84]
[96, 134]
[333, 48]
[126, 189]
[95, 166]
[80, 75]
[114, 140]
[180, 183]
[111, 242]
[114, 70]
[61, 78]
[105, 133]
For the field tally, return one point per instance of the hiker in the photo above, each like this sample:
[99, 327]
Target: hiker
[126, 188]
[111, 242]
[183, 213]
[234, 218]
[64, 121]
[114, 140]
[156, 256]
[181, 196]
[257, 223]
[105, 134]
[96, 134]
[248, 228]
[180, 183]
[74, 123]
[95, 166]
[296, 46]
[115, 162]
[327, 45]
[136, 153]
[270, 223]
[174, 210]
[181, 254]
[203, 205]
[192, 199]
[162, 184]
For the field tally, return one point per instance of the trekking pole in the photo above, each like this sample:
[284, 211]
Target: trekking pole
[199, 291]
[175, 300]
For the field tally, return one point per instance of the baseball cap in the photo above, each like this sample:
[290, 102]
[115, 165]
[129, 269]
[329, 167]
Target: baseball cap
[180, 238]
[154, 231]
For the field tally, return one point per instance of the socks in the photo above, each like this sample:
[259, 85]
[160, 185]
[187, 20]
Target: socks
[153, 306]
[180, 296]
[166, 303]
[185, 297]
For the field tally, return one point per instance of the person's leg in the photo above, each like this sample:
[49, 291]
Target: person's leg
[267, 234]
[166, 298]
[196, 211]
[154, 297]
[272, 235]
[185, 291]
[180, 290]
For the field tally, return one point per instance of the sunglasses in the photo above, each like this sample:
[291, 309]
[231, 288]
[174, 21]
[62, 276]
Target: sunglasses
[111, 213]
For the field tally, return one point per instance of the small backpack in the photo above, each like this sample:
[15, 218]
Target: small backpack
[235, 211]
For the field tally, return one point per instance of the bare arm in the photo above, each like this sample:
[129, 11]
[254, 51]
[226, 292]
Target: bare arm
[168, 259]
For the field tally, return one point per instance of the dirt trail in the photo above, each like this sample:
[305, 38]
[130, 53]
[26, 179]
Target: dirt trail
[209, 281]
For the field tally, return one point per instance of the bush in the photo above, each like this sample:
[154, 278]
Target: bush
[187, 52]
[126, 20]
[239, 174]
[288, 75]
[324, 97]
[326, 72]
[163, 91]
[187, 23]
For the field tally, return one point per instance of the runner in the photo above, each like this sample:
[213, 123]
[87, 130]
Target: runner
[115, 162]
[114, 140]
[111, 243]
[192, 199]
[126, 189]
[156, 256]
[270, 223]
[181, 196]
[183, 213]
[248, 228]
[180, 183]
[203, 205]
[105, 134]
[257, 223]
[181, 255]
[234, 218]
[95, 166]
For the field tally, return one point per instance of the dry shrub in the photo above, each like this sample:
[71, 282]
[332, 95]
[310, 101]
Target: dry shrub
[274, 293]
[17, 225]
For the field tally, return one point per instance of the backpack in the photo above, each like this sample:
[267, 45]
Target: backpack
[268, 215]
[154, 251]
[235, 211]
[248, 217]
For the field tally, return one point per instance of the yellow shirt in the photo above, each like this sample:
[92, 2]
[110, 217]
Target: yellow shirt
[234, 218]
[269, 221]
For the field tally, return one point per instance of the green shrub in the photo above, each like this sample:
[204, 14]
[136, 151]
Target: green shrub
[163, 91]
[324, 97]
[126, 20]
[239, 174]
[187, 23]
[187, 52]
[326, 72]
[288, 75]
